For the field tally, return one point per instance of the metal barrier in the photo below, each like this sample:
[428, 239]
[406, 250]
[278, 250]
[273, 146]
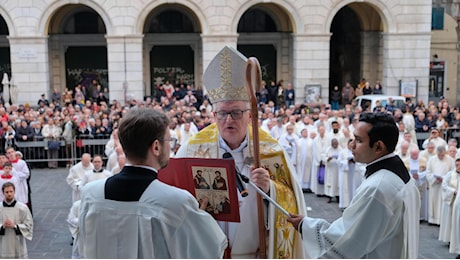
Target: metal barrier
[38, 152]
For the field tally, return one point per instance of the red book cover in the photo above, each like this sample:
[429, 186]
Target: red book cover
[211, 178]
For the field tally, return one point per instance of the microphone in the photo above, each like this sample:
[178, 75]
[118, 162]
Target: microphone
[239, 182]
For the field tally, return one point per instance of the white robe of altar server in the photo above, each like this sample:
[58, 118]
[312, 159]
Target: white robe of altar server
[304, 160]
[72, 220]
[22, 173]
[320, 144]
[447, 195]
[167, 224]
[331, 176]
[436, 167]
[455, 230]
[91, 176]
[346, 178]
[414, 166]
[289, 143]
[357, 234]
[75, 178]
[12, 245]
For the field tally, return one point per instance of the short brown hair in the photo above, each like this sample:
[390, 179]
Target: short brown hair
[6, 185]
[139, 128]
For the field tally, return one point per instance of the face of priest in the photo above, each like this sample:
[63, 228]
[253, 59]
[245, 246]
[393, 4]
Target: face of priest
[233, 130]
[11, 154]
[8, 193]
[165, 148]
[360, 145]
[97, 162]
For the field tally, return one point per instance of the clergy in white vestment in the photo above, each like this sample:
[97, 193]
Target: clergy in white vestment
[21, 172]
[72, 220]
[448, 195]
[336, 133]
[16, 225]
[407, 136]
[133, 214]
[304, 158]
[409, 123]
[77, 174]
[429, 152]
[231, 134]
[307, 123]
[97, 173]
[436, 138]
[278, 130]
[320, 144]
[331, 176]
[289, 143]
[345, 138]
[347, 167]
[453, 181]
[403, 152]
[437, 167]
[382, 219]
[452, 151]
[416, 165]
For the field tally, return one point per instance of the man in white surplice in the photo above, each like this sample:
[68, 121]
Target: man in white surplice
[437, 167]
[77, 174]
[320, 144]
[448, 194]
[133, 214]
[416, 165]
[331, 174]
[347, 167]
[289, 143]
[453, 180]
[16, 225]
[304, 156]
[382, 220]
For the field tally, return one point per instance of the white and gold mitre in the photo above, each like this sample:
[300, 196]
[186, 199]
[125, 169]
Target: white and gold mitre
[224, 78]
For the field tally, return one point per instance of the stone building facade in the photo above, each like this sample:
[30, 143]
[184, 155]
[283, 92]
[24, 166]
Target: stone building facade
[123, 43]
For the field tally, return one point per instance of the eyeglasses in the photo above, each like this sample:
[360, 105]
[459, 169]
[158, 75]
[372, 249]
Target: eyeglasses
[172, 141]
[235, 114]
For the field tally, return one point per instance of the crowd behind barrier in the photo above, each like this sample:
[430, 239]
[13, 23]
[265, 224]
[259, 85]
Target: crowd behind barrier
[83, 119]
[39, 152]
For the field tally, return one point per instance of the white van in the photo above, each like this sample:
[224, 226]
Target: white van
[370, 100]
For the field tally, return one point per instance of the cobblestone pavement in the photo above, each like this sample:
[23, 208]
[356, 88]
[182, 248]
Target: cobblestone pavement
[51, 201]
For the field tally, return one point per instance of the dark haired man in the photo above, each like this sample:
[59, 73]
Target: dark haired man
[134, 215]
[16, 225]
[383, 219]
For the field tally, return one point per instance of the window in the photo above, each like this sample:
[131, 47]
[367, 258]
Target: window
[437, 18]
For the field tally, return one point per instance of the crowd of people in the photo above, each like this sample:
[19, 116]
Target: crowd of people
[317, 140]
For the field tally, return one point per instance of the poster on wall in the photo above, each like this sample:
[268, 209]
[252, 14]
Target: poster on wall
[408, 88]
[312, 93]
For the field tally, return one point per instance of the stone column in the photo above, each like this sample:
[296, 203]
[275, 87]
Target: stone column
[406, 57]
[124, 62]
[30, 68]
[212, 44]
[311, 64]
[371, 57]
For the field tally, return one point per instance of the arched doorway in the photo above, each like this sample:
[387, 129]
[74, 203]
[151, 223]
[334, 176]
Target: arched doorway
[355, 46]
[5, 62]
[172, 47]
[77, 48]
[265, 32]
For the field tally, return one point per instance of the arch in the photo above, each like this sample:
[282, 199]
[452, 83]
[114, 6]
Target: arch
[294, 22]
[190, 7]
[9, 22]
[47, 17]
[385, 15]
